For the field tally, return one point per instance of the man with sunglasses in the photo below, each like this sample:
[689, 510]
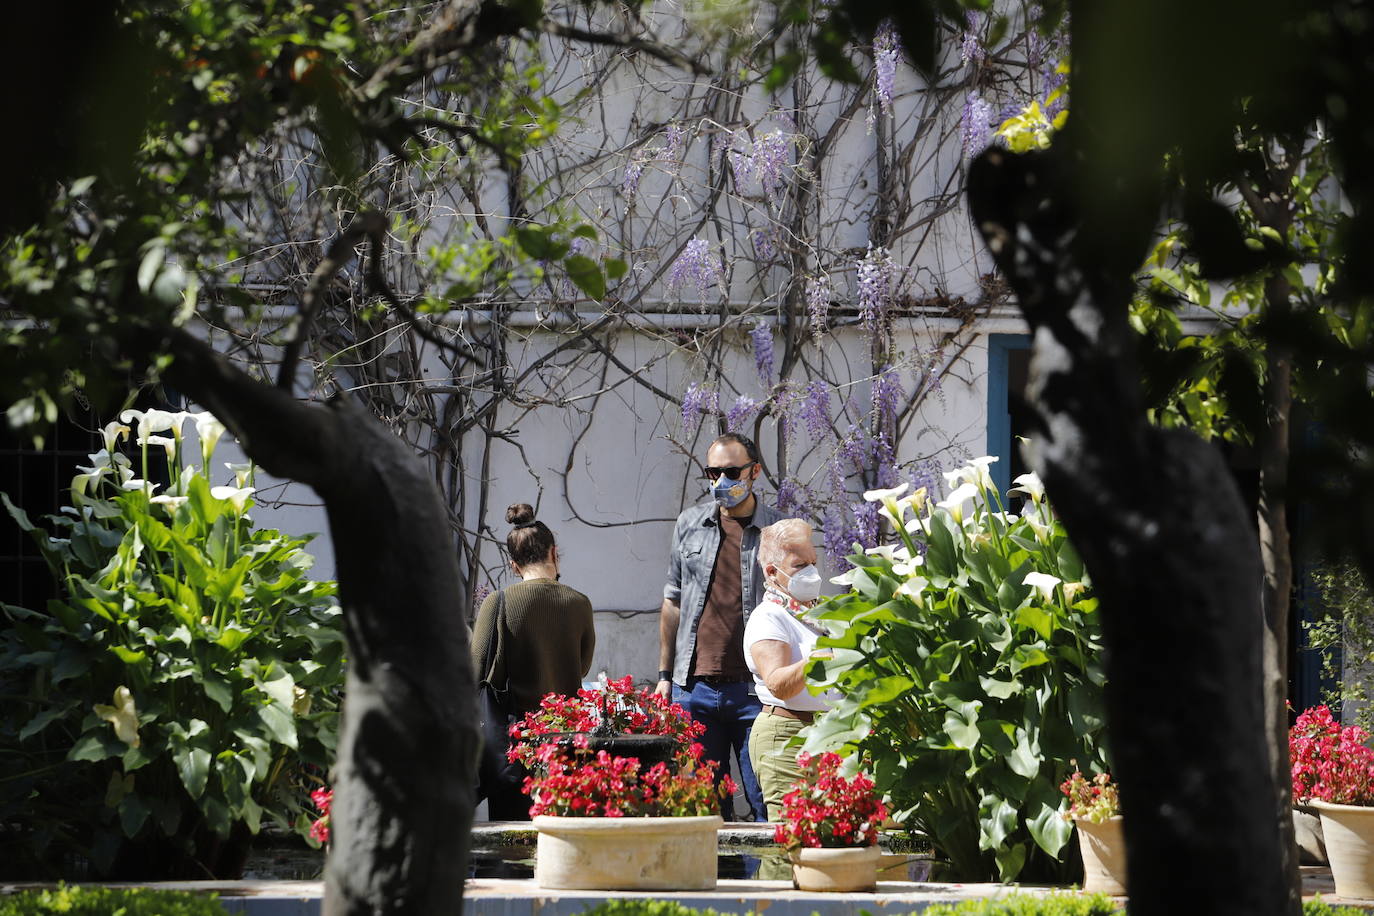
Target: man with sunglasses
[714, 582]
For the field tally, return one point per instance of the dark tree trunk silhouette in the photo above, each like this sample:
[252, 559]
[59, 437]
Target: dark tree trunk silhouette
[1170, 547]
[402, 812]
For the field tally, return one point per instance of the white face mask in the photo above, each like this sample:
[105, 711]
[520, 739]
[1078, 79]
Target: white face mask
[805, 583]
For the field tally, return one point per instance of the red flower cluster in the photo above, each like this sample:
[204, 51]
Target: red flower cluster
[825, 809]
[1094, 800]
[607, 786]
[1329, 762]
[628, 710]
[323, 798]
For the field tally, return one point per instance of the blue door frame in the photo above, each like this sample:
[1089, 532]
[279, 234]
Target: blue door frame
[999, 417]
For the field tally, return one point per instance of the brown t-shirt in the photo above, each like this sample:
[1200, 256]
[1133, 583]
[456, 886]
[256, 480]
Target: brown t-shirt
[720, 632]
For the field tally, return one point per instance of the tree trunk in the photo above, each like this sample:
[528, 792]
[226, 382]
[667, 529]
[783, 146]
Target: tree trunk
[1167, 540]
[406, 764]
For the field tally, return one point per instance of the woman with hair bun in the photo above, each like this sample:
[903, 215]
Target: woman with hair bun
[532, 638]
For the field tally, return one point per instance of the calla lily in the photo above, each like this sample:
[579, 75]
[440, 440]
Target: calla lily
[1071, 589]
[889, 552]
[243, 472]
[112, 433]
[1030, 485]
[1042, 531]
[81, 482]
[847, 578]
[300, 701]
[954, 502]
[208, 429]
[907, 567]
[138, 483]
[171, 502]
[1042, 583]
[913, 588]
[105, 459]
[123, 715]
[237, 496]
[167, 445]
[916, 501]
[154, 421]
[975, 472]
[882, 496]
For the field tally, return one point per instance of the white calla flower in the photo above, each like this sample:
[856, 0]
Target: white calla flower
[167, 444]
[954, 502]
[154, 421]
[913, 588]
[208, 429]
[1071, 589]
[112, 433]
[138, 483]
[243, 472]
[123, 715]
[886, 551]
[909, 566]
[237, 496]
[847, 578]
[879, 496]
[1030, 485]
[171, 502]
[1042, 583]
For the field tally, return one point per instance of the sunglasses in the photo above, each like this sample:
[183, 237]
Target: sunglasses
[732, 473]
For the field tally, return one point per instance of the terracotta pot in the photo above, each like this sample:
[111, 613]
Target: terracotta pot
[626, 853]
[1349, 834]
[852, 868]
[1307, 831]
[1104, 856]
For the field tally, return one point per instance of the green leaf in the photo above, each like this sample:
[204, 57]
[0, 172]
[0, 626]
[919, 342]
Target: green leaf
[1045, 820]
[962, 731]
[95, 746]
[615, 268]
[1036, 618]
[45, 718]
[193, 766]
[1010, 860]
[279, 723]
[586, 273]
[133, 814]
[997, 820]
[1027, 657]
[1022, 760]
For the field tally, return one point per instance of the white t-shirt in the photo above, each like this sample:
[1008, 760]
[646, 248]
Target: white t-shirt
[771, 620]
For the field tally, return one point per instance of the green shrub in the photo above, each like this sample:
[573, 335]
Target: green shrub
[632, 906]
[105, 901]
[1319, 907]
[970, 678]
[1030, 905]
[175, 694]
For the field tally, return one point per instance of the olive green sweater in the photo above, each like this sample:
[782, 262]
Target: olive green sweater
[545, 645]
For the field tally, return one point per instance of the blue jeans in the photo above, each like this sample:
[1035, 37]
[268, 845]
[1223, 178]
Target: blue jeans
[728, 712]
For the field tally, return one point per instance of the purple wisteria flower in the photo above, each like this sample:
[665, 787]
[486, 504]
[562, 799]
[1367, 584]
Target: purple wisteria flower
[672, 143]
[761, 337]
[697, 401]
[793, 498]
[974, 124]
[885, 53]
[786, 399]
[629, 184]
[698, 265]
[815, 410]
[875, 287]
[764, 249]
[866, 523]
[855, 448]
[885, 461]
[581, 245]
[887, 392]
[927, 473]
[838, 534]
[818, 296]
[971, 47]
[772, 157]
[741, 412]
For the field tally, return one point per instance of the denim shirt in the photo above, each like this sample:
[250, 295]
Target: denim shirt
[696, 539]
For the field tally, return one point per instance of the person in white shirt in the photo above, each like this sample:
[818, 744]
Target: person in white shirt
[778, 646]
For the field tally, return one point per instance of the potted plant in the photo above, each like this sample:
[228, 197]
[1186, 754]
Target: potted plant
[1333, 769]
[1095, 810]
[830, 827]
[607, 821]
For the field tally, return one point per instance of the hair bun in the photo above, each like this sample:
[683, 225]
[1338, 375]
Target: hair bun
[520, 514]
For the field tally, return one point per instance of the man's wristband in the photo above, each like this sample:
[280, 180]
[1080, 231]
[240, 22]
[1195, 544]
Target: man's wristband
[665, 675]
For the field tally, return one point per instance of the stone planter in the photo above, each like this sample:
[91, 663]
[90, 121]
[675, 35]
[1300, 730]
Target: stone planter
[1307, 831]
[1349, 834]
[1104, 856]
[853, 868]
[626, 853]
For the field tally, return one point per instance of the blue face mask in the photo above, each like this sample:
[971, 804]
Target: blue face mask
[730, 493]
